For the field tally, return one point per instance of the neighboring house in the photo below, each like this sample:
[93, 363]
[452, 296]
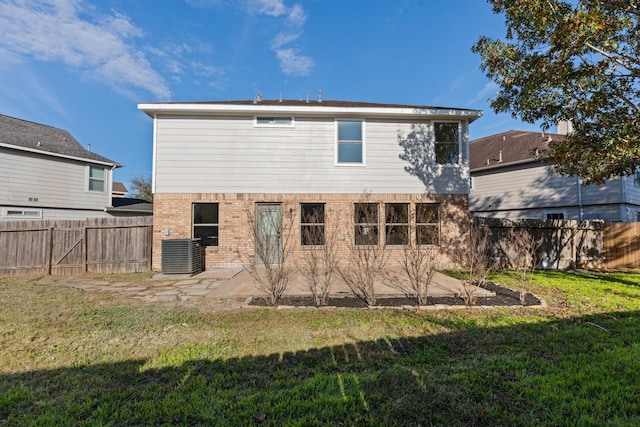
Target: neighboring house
[118, 190]
[46, 174]
[508, 182]
[125, 206]
[220, 165]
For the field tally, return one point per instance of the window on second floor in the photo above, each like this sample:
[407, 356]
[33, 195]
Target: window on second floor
[350, 142]
[97, 180]
[447, 143]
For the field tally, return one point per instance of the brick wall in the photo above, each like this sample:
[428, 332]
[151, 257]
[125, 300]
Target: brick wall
[173, 216]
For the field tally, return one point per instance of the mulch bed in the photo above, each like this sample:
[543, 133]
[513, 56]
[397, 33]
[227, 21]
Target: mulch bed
[503, 297]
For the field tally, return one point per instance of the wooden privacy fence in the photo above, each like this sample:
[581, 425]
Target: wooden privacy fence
[565, 243]
[67, 247]
[622, 246]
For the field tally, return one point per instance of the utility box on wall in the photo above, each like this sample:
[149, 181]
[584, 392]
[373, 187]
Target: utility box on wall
[181, 256]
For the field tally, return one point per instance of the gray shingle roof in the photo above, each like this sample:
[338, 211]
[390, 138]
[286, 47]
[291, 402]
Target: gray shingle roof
[35, 136]
[508, 147]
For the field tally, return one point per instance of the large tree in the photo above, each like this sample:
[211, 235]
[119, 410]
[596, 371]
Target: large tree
[577, 61]
[141, 188]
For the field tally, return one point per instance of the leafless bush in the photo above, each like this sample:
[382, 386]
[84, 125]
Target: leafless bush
[420, 263]
[267, 257]
[522, 250]
[472, 254]
[318, 261]
[368, 256]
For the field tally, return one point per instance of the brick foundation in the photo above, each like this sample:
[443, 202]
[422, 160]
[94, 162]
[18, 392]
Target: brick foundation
[173, 217]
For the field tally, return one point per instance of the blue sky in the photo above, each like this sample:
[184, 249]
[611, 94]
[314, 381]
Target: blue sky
[84, 65]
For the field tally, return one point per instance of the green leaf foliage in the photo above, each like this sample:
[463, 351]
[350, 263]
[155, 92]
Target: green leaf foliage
[573, 61]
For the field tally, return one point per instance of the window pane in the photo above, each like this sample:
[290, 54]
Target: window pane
[349, 153]
[397, 235]
[205, 213]
[95, 172]
[427, 235]
[274, 120]
[446, 153]
[366, 213]
[312, 235]
[446, 132]
[96, 185]
[426, 213]
[349, 130]
[311, 213]
[208, 234]
[397, 213]
[366, 234]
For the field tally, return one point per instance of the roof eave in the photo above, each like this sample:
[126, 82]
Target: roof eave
[63, 156]
[311, 110]
[503, 165]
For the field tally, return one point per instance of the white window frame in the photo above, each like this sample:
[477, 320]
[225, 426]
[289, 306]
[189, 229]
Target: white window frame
[363, 125]
[258, 124]
[435, 142]
[104, 180]
[25, 213]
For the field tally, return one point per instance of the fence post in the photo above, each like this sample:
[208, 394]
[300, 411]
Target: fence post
[86, 250]
[49, 251]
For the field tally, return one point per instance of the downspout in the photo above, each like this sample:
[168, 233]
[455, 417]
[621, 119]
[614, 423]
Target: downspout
[580, 209]
[624, 209]
[153, 164]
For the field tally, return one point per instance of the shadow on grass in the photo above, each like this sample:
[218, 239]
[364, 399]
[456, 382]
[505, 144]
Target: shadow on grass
[579, 371]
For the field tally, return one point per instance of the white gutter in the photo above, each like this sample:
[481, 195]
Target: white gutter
[313, 110]
[503, 165]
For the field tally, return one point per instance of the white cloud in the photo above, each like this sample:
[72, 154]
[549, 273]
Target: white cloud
[294, 64]
[54, 30]
[484, 93]
[266, 7]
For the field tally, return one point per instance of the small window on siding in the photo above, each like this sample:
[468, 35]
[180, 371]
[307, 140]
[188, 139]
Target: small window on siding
[205, 223]
[427, 224]
[397, 223]
[22, 213]
[350, 142]
[447, 144]
[366, 223]
[312, 224]
[269, 121]
[96, 179]
[555, 215]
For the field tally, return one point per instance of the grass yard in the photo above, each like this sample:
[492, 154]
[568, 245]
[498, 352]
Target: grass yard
[69, 357]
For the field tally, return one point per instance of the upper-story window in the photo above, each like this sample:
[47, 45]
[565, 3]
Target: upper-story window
[97, 179]
[350, 142]
[447, 143]
[270, 121]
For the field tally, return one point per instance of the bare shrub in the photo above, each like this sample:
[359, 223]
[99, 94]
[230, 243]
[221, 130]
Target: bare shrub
[419, 260]
[368, 256]
[420, 263]
[522, 250]
[472, 254]
[267, 257]
[318, 261]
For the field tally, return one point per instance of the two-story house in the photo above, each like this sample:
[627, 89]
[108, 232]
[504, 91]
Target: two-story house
[509, 182]
[46, 174]
[220, 165]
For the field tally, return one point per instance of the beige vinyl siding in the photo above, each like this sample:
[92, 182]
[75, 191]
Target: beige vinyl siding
[230, 155]
[54, 182]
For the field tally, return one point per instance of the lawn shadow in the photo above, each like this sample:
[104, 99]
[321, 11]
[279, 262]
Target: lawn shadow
[582, 370]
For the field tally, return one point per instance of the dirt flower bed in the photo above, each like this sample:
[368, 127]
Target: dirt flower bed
[503, 297]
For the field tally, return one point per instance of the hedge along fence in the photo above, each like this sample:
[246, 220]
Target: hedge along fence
[565, 243]
[67, 247]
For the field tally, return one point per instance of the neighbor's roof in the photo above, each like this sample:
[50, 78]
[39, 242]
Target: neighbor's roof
[308, 106]
[35, 137]
[119, 188]
[508, 147]
[123, 204]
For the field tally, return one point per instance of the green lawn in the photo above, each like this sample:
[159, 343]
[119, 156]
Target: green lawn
[69, 357]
